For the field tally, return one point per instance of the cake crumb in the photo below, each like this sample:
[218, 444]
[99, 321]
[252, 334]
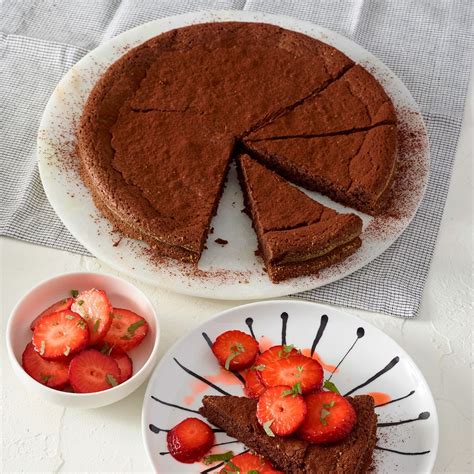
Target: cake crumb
[221, 241]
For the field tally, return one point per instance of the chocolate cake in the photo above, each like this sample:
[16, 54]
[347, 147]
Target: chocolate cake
[353, 455]
[296, 234]
[163, 122]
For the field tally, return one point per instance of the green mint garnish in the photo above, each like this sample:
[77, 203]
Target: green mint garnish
[322, 417]
[96, 325]
[231, 465]
[110, 379]
[285, 350]
[299, 368]
[133, 327]
[74, 293]
[253, 471]
[45, 378]
[115, 316]
[295, 390]
[81, 323]
[67, 351]
[42, 348]
[106, 349]
[212, 458]
[69, 316]
[328, 385]
[234, 352]
[80, 302]
[266, 427]
[329, 405]
[259, 367]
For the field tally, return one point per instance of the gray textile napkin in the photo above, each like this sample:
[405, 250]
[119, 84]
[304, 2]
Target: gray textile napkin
[428, 44]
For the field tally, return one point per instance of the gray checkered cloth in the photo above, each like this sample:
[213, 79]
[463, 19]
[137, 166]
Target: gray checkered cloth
[428, 44]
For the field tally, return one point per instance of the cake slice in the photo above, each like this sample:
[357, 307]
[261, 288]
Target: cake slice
[353, 455]
[354, 101]
[297, 235]
[355, 169]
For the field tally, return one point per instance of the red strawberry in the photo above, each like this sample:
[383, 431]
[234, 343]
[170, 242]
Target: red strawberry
[247, 463]
[293, 370]
[235, 350]
[92, 371]
[58, 306]
[275, 353]
[253, 386]
[127, 330]
[190, 440]
[124, 363]
[330, 418]
[94, 306]
[52, 373]
[281, 410]
[59, 335]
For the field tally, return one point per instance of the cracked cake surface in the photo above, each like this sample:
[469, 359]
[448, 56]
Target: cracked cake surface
[162, 124]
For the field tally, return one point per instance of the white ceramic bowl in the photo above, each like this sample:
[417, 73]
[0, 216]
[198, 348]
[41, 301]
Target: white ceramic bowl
[121, 294]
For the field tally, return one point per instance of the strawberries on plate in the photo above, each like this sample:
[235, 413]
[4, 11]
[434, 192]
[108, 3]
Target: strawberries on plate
[248, 463]
[58, 306]
[281, 410]
[94, 306]
[235, 350]
[92, 371]
[253, 386]
[292, 370]
[59, 335]
[275, 353]
[52, 373]
[190, 440]
[330, 418]
[127, 329]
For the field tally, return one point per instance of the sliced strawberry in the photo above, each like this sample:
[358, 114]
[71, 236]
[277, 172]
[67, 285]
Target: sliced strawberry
[52, 373]
[248, 463]
[127, 330]
[124, 363]
[94, 306]
[58, 306]
[59, 335]
[281, 410]
[330, 418]
[235, 350]
[275, 353]
[253, 386]
[190, 440]
[92, 371]
[293, 370]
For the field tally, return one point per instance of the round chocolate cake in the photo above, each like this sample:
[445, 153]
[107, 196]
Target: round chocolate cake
[163, 123]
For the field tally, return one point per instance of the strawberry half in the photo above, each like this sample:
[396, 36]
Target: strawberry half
[127, 329]
[52, 373]
[92, 371]
[248, 463]
[94, 306]
[235, 350]
[124, 363]
[59, 335]
[281, 410]
[330, 418]
[190, 440]
[58, 306]
[296, 369]
[275, 353]
[253, 386]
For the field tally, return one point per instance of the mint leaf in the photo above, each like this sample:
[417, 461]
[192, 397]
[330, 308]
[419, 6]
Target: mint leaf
[323, 415]
[328, 385]
[81, 323]
[253, 471]
[329, 405]
[234, 352]
[106, 349]
[231, 465]
[212, 458]
[96, 325]
[295, 390]
[133, 327]
[69, 316]
[45, 378]
[111, 380]
[74, 293]
[80, 302]
[266, 427]
[259, 367]
[285, 351]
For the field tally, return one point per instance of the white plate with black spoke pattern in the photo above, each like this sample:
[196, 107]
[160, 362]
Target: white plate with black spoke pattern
[232, 270]
[357, 357]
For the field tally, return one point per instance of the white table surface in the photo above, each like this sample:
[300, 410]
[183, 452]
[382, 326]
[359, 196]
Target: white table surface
[39, 437]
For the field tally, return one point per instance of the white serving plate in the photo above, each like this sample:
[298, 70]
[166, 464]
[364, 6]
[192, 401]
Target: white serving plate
[232, 271]
[367, 351]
